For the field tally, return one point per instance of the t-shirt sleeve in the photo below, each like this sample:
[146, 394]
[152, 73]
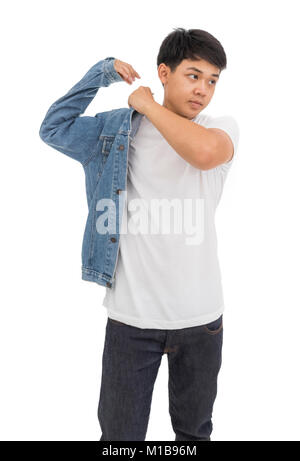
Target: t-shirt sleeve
[216, 177]
[231, 127]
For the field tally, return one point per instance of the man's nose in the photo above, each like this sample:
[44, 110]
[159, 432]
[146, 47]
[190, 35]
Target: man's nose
[201, 89]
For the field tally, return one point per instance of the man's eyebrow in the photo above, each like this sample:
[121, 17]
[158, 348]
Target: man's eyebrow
[201, 72]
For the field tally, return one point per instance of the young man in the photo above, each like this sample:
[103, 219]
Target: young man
[164, 291]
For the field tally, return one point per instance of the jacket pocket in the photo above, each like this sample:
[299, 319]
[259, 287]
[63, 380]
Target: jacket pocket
[104, 148]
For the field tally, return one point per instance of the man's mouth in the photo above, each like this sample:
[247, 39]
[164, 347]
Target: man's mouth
[196, 104]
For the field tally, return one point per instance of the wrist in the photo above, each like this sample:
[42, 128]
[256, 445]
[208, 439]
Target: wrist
[150, 106]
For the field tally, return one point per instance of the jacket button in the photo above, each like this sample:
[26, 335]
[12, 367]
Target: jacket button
[121, 146]
[108, 284]
[113, 239]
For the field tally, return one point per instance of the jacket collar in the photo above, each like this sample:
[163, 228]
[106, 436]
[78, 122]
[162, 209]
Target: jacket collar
[136, 119]
[130, 122]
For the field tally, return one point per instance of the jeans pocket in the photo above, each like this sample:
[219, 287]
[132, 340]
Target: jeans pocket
[116, 321]
[213, 328]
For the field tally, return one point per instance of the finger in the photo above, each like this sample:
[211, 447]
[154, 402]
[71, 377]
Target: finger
[130, 74]
[134, 72]
[127, 75]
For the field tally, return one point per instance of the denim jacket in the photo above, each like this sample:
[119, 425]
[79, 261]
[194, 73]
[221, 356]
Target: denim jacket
[101, 145]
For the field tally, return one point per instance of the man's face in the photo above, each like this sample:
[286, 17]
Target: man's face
[187, 84]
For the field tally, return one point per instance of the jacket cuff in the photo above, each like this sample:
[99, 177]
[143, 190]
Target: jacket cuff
[110, 71]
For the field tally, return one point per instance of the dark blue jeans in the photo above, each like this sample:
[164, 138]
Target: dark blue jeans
[130, 363]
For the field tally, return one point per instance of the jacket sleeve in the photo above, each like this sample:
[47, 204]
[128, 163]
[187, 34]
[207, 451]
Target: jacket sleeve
[63, 127]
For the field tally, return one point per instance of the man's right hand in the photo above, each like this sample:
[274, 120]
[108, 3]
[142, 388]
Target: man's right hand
[126, 71]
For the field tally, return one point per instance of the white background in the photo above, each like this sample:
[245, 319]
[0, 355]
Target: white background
[52, 323]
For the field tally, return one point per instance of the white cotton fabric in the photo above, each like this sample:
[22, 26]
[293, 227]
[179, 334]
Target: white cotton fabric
[161, 281]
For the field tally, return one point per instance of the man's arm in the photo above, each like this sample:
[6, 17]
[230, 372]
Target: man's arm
[63, 128]
[203, 148]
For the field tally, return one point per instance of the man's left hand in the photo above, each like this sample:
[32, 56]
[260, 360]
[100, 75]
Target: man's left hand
[140, 99]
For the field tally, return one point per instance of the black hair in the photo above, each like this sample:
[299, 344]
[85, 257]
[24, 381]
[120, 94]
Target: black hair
[191, 44]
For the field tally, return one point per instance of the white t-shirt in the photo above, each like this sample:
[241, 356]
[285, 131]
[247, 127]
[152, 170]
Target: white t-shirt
[162, 281]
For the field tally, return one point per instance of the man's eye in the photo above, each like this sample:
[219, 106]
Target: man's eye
[195, 75]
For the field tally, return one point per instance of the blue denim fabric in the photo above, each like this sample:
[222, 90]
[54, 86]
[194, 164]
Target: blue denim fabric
[101, 145]
[130, 363]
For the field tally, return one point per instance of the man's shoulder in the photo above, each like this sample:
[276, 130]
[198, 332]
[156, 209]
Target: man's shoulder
[215, 120]
[114, 120]
[114, 113]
